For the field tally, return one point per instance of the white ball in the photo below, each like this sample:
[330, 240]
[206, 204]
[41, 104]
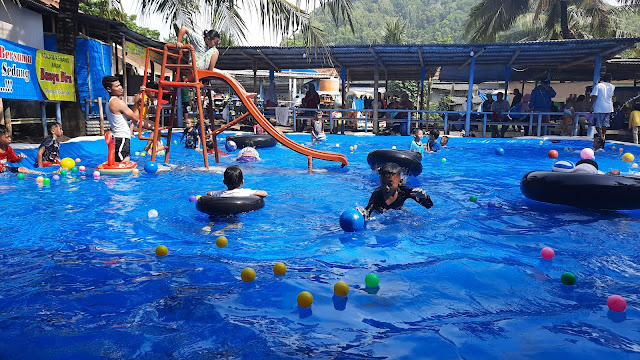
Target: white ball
[337, 145]
[393, 147]
[137, 153]
[152, 213]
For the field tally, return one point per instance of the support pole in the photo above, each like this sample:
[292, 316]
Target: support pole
[43, 108]
[376, 98]
[101, 115]
[58, 113]
[124, 70]
[596, 79]
[467, 123]
[507, 76]
[343, 92]
[423, 75]
[255, 80]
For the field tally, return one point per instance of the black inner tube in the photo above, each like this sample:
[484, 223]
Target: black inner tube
[215, 205]
[410, 161]
[259, 141]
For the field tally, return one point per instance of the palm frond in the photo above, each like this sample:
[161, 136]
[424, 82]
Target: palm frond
[490, 17]
[340, 11]
[228, 21]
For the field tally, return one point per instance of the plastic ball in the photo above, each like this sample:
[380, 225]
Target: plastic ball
[175, 141]
[552, 154]
[616, 303]
[351, 148]
[500, 151]
[248, 275]
[46, 181]
[341, 289]
[162, 250]
[337, 145]
[96, 174]
[20, 176]
[621, 150]
[628, 157]
[473, 198]
[351, 220]
[305, 299]
[63, 172]
[547, 253]
[563, 166]
[153, 213]
[74, 169]
[221, 241]
[77, 160]
[198, 197]
[82, 168]
[135, 171]
[137, 153]
[143, 154]
[491, 204]
[230, 146]
[39, 179]
[193, 198]
[67, 163]
[372, 280]
[541, 142]
[586, 153]
[635, 165]
[56, 178]
[613, 148]
[355, 147]
[279, 268]
[393, 147]
[150, 167]
[568, 279]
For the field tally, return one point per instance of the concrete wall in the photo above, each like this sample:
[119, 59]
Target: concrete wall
[21, 26]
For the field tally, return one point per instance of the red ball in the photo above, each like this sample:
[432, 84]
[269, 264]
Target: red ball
[547, 253]
[552, 154]
[616, 303]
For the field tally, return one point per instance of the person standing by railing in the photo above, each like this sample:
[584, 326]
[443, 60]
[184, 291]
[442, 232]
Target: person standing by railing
[540, 101]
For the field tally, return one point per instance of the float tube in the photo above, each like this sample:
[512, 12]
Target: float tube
[111, 167]
[409, 161]
[215, 205]
[259, 141]
[582, 190]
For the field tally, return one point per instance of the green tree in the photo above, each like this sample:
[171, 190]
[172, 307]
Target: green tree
[112, 9]
[395, 31]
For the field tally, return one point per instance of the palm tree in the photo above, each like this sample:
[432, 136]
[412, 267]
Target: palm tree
[395, 31]
[488, 18]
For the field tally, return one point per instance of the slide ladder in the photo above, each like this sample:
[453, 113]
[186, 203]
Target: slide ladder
[197, 84]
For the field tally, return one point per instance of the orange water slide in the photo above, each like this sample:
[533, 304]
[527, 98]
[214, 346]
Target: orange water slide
[266, 125]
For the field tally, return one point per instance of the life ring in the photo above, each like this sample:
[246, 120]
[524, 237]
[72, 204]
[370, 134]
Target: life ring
[259, 141]
[215, 205]
[111, 167]
[409, 161]
[582, 190]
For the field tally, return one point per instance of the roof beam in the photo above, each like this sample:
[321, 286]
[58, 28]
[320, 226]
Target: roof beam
[420, 55]
[585, 59]
[377, 58]
[513, 58]
[475, 55]
[268, 60]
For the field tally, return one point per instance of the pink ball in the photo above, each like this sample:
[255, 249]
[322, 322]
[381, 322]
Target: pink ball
[81, 168]
[586, 153]
[96, 174]
[547, 253]
[616, 303]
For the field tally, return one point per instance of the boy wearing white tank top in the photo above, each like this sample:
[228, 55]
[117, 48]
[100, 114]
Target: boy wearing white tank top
[117, 113]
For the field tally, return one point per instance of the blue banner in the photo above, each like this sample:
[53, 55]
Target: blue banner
[18, 77]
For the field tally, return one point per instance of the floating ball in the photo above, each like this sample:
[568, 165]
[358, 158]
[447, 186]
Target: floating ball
[67, 163]
[20, 176]
[635, 165]
[77, 160]
[221, 241]
[351, 220]
[616, 303]
[82, 168]
[135, 171]
[96, 174]
[628, 157]
[248, 275]
[586, 153]
[341, 289]
[473, 198]
[552, 154]
[162, 250]
[193, 198]
[500, 151]
[305, 299]
[541, 142]
[175, 141]
[563, 166]
[279, 268]
[153, 213]
[230, 146]
[56, 178]
[444, 160]
[150, 167]
[355, 147]
[198, 197]
[74, 169]
[46, 181]
[621, 150]
[372, 280]
[393, 147]
[491, 204]
[63, 172]
[613, 148]
[143, 153]
[39, 179]
[351, 148]
[568, 279]
[137, 153]
[547, 253]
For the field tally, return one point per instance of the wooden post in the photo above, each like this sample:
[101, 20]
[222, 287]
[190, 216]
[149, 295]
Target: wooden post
[255, 80]
[101, 115]
[89, 75]
[43, 109]
[376, 98]
[124, 69]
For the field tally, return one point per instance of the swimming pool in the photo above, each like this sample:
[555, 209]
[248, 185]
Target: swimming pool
[461, 280]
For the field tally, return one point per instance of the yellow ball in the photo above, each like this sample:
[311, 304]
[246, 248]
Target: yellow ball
[341, 289]
[351, 148]
[635, 165]
[541, 142]
[135, 171]
[67, 163]
[248, 275]
[222, 242]
[77, 160]
[279, 268]
[628, 157]
[162, 250]
[198, 196]
[613, 148]
[305, 299]
[143, 153]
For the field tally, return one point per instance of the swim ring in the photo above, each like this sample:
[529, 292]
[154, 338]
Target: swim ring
[215, 205]
[409, 161]
[259, 141]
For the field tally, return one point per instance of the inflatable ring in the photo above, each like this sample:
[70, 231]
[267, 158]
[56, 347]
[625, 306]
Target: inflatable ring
[410, 161]
[582, 190]
[259, 141]
[215, 205]
[117, 168]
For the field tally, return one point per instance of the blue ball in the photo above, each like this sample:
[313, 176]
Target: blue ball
[500, 151]
[230, 146]
[150, 167]
[351, 220]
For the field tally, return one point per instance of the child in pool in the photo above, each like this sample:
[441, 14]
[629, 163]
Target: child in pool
[248, 153]
[8, 155]
[159, 144]
[443, 141]
[190, 135]
[233, 179]
[391, 194]
[49, 149]
[317, 128]
[432, 144]
[416, 144]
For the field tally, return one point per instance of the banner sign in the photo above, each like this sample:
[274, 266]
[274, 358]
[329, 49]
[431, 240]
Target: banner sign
[141, 52]
[31, 74]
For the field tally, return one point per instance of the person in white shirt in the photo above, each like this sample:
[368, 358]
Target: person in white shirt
[601, 97]
[117, 113]
[233, 179]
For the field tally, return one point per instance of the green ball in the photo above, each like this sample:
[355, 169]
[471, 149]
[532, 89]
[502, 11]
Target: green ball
[20, 176]
[568, 279]
[175, 141]
[444, 160]
[74, 169]
[473, 198]
[46, 181]
[372, 280]
[63, 171]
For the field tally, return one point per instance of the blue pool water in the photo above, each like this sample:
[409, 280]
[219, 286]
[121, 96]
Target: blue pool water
[460, 280]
